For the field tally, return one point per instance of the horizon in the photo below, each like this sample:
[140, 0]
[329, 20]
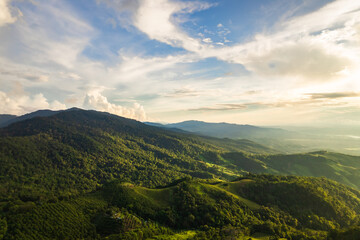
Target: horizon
[277, 63]
[330, 129]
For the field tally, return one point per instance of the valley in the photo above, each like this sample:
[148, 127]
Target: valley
[100, 167]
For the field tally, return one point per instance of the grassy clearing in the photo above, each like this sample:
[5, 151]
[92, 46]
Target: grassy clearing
[162, 197]
[234, 189]
[178, 236]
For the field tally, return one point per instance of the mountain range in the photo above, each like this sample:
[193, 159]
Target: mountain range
[117, 177]
[285, 139]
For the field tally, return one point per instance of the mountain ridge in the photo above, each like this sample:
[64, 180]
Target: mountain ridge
[116, 178]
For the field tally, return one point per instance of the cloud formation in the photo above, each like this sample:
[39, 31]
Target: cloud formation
[16, 72]
[318, 46]
[183, 92]
[160, 19]
[95, 100]
[20, 104]
[333, 95]
[309, 61]
[221, 107]
[315, 46]
[55, 54]
[7, 15]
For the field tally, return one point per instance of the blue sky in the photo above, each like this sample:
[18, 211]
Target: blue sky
[281, 62]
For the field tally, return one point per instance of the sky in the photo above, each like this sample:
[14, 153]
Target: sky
[261, 62]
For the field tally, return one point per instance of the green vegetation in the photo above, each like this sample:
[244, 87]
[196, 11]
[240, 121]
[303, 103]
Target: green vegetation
[261, 206]
[74, 152]
[90, 175]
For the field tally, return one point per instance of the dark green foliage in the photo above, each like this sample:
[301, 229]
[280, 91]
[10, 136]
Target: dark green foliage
[124, 211]
[352, 233]
[76, 151]
[50, 221]
[89, 175]
[316, 202]
[292, 207]
[147, 231]
[3, 227]
[339, 167]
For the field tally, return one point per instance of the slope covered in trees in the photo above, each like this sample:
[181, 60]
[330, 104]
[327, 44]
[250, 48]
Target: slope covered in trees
[82, 149]
[104, 172]
[254, 205]
[76, 151]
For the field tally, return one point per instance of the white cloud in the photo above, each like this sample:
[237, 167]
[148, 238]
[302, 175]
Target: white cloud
[21, 104]
[43, 52]
[17, 72]
[207, 40]
[324, 37]
[156, 18]
[310, 62]
[95, 100]
[6, 15]
[134, 69]
[44, 36]
[313, 47]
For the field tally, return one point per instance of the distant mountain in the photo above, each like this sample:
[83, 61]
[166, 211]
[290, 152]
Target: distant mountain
[228, 130]
[166, 127]
[40, 113]
[6, 117]
[287, 141]
[79, 174]
[276, 138]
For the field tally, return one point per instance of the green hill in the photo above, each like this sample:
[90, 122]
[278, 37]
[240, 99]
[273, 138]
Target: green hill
[76, 151]
[104, 172]
[256, 205]
[339, 167]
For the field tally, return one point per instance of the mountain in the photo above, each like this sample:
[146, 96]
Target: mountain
[277, 138]
[75, 151]
[6, 117]
[14, 119]
[227, 130]
[79, 174]
[285, 139]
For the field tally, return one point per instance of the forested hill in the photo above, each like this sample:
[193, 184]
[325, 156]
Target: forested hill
[252, 207]
[76, 151]
[80, 174]
[5, 118]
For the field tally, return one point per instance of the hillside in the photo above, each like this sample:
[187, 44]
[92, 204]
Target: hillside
[76, 151]
[257, 205]
[119, 177]
[339, 167]
[13, 119]
[5, 118]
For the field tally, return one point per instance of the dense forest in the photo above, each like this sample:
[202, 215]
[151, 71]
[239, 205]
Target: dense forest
[89, 175]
